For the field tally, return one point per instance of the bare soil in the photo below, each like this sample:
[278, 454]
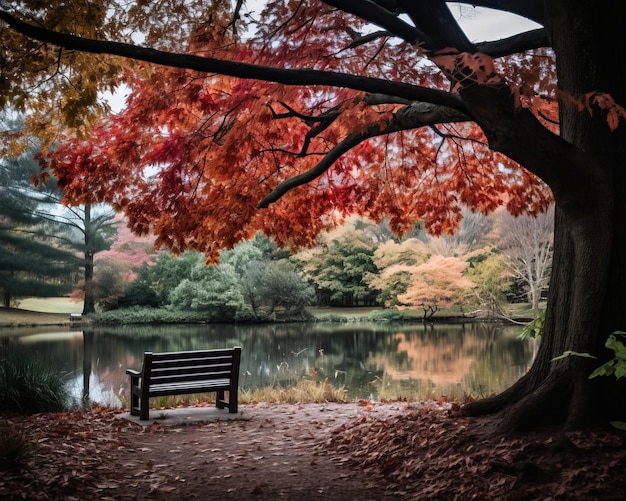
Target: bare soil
[356, 451]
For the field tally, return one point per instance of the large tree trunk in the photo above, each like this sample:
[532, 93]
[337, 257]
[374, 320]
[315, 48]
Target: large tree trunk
[587, 289]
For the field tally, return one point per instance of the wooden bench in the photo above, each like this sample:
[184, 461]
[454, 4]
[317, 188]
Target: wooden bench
[185, 372]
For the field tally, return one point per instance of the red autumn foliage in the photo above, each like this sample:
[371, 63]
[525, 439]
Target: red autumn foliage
[192, 156]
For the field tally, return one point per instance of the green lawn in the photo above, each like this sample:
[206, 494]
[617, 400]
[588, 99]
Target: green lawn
[40, 311]
[51, 305]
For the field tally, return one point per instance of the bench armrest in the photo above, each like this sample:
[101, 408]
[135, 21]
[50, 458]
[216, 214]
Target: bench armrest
[134, 377]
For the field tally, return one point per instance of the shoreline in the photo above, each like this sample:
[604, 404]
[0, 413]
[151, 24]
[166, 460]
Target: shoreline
[16, 317]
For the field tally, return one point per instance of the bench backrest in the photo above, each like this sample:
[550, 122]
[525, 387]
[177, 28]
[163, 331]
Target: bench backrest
[200, 365]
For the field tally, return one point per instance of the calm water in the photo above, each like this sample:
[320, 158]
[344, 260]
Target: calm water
[370, 360]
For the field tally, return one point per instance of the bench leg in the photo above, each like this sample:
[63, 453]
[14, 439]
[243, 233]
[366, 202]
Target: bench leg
[233, 403]
[144, 408]
[219, 399]
[134, 397]
[134, 403]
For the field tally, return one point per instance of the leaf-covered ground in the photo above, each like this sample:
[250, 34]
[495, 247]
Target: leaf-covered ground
[333, 451]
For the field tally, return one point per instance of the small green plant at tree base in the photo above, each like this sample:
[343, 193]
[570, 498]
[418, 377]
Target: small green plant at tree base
[617, 365]
[534, 328]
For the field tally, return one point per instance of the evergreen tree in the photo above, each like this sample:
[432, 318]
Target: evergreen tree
[33, 259]
[41, 238]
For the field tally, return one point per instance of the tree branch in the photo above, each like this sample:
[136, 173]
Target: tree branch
[289, 184]
[408, 117]
[237, 69]
[435, 19]
[442, 30]
[510, 130]
[374, 13]
[528, 40]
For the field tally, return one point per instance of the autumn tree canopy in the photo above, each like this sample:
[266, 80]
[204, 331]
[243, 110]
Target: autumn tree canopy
[378, 107]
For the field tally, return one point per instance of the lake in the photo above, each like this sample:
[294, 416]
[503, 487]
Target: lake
[371, 361]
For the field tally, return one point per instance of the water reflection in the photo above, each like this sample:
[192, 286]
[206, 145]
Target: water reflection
[369, 360]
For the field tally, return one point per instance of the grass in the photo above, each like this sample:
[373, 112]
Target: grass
[51, 305]
[39, 311]
[29, 386]
[14, 317]
[304, 392]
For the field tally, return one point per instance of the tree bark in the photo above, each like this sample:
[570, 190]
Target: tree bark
[587, 285]
[89, 305]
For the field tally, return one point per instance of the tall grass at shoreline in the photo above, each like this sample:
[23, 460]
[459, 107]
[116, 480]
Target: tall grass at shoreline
[304, 392]
[29, 385]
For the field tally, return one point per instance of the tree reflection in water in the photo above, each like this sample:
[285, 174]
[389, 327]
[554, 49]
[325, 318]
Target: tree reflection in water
[371, 361]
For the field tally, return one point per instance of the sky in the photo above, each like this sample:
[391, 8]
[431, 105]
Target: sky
[479, 24]
[482, 24]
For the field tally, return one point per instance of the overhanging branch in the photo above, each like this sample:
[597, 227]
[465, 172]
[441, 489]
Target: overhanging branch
[290, 77]
[370, 11]
[522, 42]
[408, 117]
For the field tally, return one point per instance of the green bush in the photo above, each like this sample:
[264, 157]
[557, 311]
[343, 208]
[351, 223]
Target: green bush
[389, 315]
[29, 385]
[138, 315]
[139, 293]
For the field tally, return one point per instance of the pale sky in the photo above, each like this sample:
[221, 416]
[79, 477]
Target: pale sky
[482, 24]
[479, 24]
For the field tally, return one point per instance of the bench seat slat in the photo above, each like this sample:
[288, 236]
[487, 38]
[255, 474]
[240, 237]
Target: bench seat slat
[158, 368]
[174, 378]
[192, 361]
[181, 388]
[187, 355]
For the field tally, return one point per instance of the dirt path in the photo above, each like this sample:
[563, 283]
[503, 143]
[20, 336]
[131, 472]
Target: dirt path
[343, 452]
[273, 453]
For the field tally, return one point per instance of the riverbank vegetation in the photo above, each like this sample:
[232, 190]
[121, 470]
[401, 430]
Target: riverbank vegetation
[474, 274]
[30, 384]
[360, 270]
[489, 266]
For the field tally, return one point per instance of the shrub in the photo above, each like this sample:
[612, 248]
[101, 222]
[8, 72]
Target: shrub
[137, 315]
[139, 293]
[389, 315]
[29, 385]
